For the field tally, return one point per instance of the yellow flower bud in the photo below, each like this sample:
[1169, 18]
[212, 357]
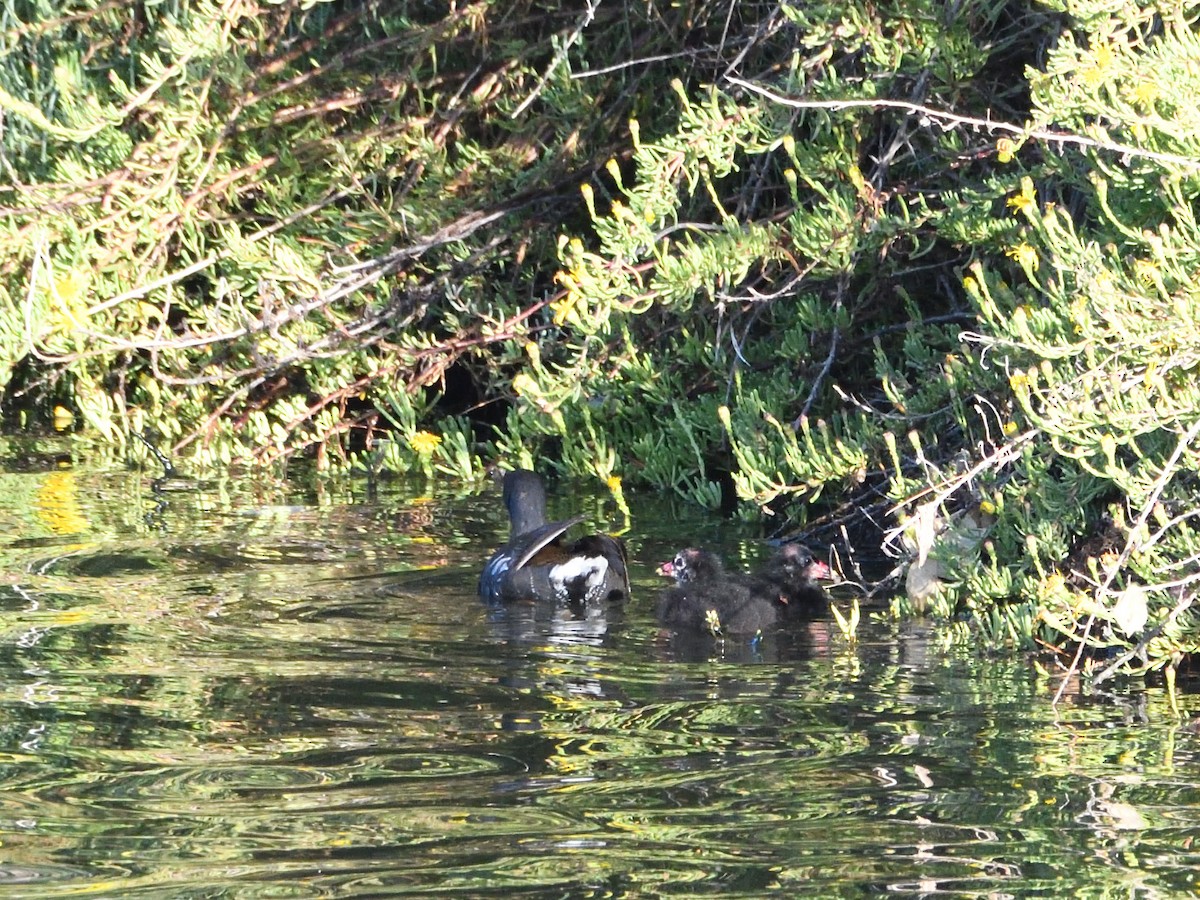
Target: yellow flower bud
[589, 198]
[1108, 446]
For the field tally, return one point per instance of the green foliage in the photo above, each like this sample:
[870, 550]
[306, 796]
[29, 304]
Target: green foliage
[201, 234]
[1097, 337]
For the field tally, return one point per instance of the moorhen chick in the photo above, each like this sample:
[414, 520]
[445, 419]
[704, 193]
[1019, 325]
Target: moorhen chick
[789, 578]
[706, 598]
[537, 565]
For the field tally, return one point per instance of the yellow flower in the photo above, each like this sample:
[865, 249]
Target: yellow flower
[1025, 256]
[1146, 92]
[1010, 428]
[1103, 53]
[564, 307]
[1052, 584]
[71, 286]
[424, 442]
[1146, 271]
[1006, 148]
[67, 308]
[1019, 202]
[524, 385]
[1025, 199]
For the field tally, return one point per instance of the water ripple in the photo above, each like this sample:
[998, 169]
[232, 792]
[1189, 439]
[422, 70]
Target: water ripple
[264, 696]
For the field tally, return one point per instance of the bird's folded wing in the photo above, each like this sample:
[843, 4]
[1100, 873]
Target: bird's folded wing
[535, 540]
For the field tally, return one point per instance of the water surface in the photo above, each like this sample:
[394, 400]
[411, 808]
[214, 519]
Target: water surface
[240, 689]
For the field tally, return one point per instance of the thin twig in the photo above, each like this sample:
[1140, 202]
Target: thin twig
[829, 357]
[588, 15]
[1002, 457]
[629, 63]
[952, 119]
[144, 289]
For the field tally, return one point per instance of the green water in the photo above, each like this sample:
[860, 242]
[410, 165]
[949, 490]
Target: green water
[237, 689]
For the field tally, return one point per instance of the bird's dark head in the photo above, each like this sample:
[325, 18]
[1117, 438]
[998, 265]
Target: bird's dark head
[692, 564]
[797, 562]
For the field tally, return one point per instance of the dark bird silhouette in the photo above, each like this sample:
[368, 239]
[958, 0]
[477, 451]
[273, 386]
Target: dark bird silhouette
[537, 565]
[706, 598]
[790, 578]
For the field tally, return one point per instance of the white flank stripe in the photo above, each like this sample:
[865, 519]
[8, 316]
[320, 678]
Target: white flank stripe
[594, 567]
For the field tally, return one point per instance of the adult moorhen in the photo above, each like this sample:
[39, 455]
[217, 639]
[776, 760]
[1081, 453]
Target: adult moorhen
[537, 565]
[706, 598]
